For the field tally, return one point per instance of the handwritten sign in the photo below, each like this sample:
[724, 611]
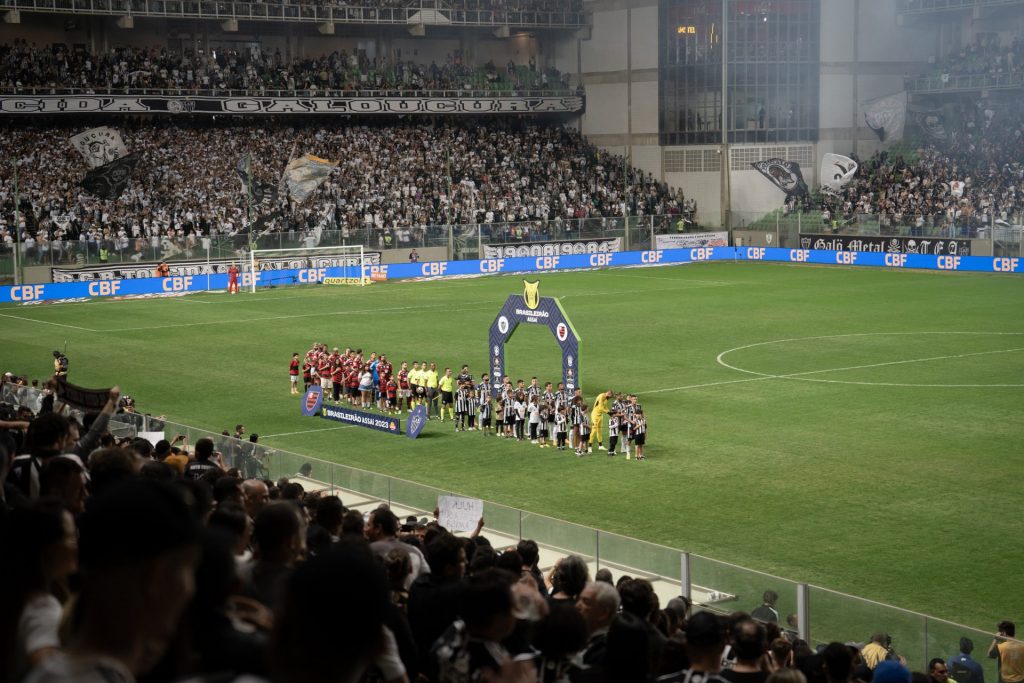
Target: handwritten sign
[459, 514]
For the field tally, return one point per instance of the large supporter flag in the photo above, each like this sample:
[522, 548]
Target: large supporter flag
[304, 175]
[79, 397]
[785, 175]
[836, 172]
[110, 180]
[887, 116]
[99, 146]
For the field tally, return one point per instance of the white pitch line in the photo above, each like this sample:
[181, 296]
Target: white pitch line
[901, 362]
[761, 376]
[307, 431]
[710, 384]
[47, 322]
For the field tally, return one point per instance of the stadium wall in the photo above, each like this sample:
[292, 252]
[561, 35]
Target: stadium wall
[148, 287]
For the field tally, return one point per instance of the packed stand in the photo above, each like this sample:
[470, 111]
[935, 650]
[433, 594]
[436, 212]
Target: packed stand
[124, 562]
[986, 56]
[981, 147]
[396, 183]
[58, 67]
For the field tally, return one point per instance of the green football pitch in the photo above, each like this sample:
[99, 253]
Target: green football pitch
[858, 429]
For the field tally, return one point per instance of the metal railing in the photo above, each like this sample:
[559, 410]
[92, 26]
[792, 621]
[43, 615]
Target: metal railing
[819, 615]
[502, 89]
[928, 6]
[785, 228]
[461, 241]
[425, 12]
[965, 82]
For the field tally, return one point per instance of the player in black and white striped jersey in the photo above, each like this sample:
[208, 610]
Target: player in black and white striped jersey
[576, 417]
[629, 414]
[461, 406]
[533, 390]
[619, 435]
[473, 402]
[509, 413]
[639, 431]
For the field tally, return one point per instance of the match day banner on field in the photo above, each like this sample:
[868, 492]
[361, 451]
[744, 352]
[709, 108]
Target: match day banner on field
[154, 286]
[890, 245]
[359, 418]
[533, 309]
[398, 106]
[692, 239]
[554, 248]
[128, 271]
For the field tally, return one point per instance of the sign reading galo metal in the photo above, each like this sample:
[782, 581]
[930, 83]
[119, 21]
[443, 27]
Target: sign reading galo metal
[531, 308]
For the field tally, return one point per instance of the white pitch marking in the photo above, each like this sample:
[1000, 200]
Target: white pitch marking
[47, 322]
[307, 431]
[802, 375]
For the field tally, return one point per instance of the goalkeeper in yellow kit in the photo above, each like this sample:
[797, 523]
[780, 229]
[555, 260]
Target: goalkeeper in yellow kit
[597, 420]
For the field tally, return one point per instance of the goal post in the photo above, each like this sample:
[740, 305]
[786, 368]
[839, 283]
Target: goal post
[337, 265]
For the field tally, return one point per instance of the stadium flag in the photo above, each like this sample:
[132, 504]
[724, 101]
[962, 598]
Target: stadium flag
[110, 180]
[78, 397]
[836, 172]
[244, 171]
[887, 116]
[99, 146]
[304, 175]
[785, 175]
[956, 188]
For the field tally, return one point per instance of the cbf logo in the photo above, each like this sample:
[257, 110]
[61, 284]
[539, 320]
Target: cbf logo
[531, 294]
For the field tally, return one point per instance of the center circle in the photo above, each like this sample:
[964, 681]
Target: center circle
[802, 376]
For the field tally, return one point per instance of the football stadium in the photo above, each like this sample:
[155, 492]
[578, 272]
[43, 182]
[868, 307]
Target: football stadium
[627, 341]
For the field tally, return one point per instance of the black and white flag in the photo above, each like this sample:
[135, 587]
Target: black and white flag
[99, 146]
[887, 116]
[110, 180]
[785, 175]
[836, 172]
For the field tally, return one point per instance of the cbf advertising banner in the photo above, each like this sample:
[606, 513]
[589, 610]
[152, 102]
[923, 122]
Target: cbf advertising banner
[155, 286]
[530, 308]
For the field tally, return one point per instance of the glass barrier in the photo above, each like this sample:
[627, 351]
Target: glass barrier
[845, 618]
[632, 556]
[943, 639]
[727, 588]
[565, 537]
[411, 495]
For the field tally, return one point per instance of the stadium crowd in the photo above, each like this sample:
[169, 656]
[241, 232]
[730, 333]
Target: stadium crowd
[58, 67]
[395, 182]
[498, 9]
[978, 145]
[987, 55]
[124, 562]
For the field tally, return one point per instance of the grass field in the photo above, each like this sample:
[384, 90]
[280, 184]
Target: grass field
[858, 429]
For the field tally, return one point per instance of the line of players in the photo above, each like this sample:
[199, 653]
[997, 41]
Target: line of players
[548, 417]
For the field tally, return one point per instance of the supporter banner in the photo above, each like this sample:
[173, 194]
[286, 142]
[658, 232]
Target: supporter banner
[153, 286]
[78, 397]
[359, 418]
[785, 175]
[692, 239]
[553, 248]
[130, 271]
[117, 104]
[889, 245]
[459, 514]
[836, 172]
[531, 308]
[110, 180]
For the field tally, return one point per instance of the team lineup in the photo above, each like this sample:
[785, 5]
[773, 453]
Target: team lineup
[550, 417]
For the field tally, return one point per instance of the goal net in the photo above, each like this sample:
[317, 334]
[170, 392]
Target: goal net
[339, 265]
